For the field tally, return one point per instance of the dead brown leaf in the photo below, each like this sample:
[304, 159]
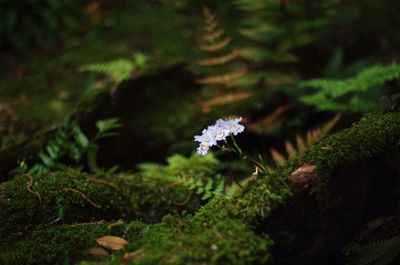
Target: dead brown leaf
[133, 255]
[99, 253]
[112, 242]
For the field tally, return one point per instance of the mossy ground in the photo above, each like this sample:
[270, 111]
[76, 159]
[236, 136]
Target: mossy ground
[70, 198]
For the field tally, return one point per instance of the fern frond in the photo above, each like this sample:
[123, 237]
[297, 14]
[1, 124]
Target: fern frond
[329, 91]
[223, 79]
[196, 173]
[219, 60]
[248, 80]
[216, 46]
[254, 5]
[260, 33]
[212, 36]
[278, 158]
[118, 70]
[255, 54]
[302, 143]
[224, 99]
[209, 17]
[279, 78]
[377, 253]
[271, 121]
[211, 26]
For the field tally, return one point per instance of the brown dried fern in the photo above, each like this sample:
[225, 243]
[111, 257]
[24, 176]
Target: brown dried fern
[271, 121]
[211, 26]
[216, 46]
[222, 66]
[219, 60]
[225, 99]
[212, 36]
[223, 79]
[302, 143]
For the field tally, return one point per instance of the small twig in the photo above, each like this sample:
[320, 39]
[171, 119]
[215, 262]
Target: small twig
[29, 186]
[90, 223]
[117, 223]
[104, 182]
[79, 193]
[48, 224]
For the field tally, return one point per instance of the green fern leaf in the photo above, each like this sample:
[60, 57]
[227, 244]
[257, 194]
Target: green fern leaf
[345, 94]
[118, 70]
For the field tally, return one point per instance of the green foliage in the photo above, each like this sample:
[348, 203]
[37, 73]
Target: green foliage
[36, 22]
[350, 93]
[197, 173]
[118, 69]
[274, 33]
[70, 142]
[377, 253]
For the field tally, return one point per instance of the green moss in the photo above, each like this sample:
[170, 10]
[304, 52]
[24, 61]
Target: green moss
[371, 141]
[64, 244]
[188, 241]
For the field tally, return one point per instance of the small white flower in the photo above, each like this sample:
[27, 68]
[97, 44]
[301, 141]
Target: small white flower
[217, 132]
[232, 125]
[207, 139]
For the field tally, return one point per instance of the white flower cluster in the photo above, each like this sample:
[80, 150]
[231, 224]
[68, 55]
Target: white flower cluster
[217, 132]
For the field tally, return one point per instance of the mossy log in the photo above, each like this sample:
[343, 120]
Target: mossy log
[305, 211]
[30, 202]
[309, 221]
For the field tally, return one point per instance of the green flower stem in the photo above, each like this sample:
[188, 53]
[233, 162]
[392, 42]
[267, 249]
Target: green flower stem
[237, 150]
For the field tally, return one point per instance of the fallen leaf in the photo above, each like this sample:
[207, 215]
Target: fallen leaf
[133, 255]
[112, 242]
[99, 253]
